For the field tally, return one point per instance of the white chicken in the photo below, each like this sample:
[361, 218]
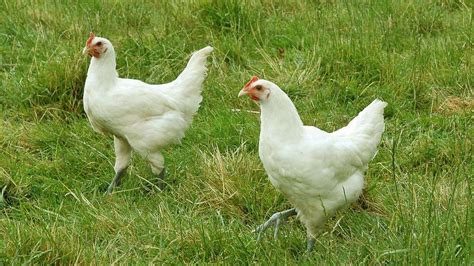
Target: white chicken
[319, 172]
[140, 116]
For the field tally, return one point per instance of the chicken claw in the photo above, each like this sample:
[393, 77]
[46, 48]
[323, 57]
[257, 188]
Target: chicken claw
[276, 218]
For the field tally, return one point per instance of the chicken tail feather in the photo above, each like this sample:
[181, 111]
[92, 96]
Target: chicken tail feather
[195, 72]
[367, 128]
[189, 83]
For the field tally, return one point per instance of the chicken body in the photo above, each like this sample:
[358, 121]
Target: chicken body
[140, 116]
[319, 172]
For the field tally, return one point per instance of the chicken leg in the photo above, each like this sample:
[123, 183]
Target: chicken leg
[116, 181]
[157, 163]
[161, 179]
[276, 218]
[310, 244]
[123, 153]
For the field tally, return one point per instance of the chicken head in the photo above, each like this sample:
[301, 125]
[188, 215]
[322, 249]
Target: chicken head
[256, 89]
[96, 46]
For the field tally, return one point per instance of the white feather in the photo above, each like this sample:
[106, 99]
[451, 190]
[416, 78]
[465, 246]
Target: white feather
[144, 116]
[319, 172]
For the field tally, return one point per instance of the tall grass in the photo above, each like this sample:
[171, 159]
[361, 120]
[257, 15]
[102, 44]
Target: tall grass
[331, 57]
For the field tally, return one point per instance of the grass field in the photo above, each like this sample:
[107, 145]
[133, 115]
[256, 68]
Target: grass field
[331, 57]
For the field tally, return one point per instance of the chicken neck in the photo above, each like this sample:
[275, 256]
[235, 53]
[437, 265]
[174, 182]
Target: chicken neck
[279, 118]
[103, 68]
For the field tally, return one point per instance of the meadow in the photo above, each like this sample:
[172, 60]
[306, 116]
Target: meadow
[331, 57]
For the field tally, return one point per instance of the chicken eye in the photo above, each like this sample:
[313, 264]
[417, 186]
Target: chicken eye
[258, 87]
[99, 43]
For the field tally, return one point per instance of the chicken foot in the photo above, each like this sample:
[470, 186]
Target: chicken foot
[310, 244]
[116, 181]
[161, 179]
[276, 219]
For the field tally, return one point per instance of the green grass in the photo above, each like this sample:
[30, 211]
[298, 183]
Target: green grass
[331, 57]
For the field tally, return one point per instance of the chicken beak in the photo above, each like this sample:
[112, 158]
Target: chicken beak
[86, 50]
[243, 92]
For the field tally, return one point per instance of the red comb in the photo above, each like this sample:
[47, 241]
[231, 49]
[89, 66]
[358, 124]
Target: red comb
[91, 37]
[252, 80]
